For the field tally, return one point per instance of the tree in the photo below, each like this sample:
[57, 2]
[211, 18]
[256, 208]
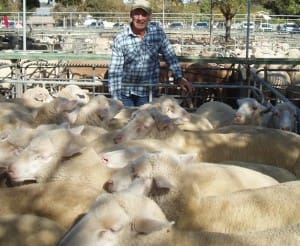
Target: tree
[229, 9]
[283, 7]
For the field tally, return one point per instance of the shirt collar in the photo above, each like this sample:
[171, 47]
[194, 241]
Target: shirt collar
[130, 32]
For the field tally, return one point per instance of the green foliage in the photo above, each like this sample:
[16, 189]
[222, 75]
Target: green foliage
[105, 6]
[4, 5]
[283, 7]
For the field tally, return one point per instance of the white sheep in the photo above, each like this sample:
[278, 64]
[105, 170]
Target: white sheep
[14, 115]
[62, 202]
[172, 175]
[74, 92]
[284, 117]
[280, 174]
[234, 142]
[29, 230]
[98, 111]
[218, 113]
[16, 140]
[57, 111]
[36, 96]
[128, 219]
[245, 210]
[251, 112]
[44, 153]
[109, 213]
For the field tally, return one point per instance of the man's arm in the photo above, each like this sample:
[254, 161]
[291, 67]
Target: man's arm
[173, 63]
[115, 71]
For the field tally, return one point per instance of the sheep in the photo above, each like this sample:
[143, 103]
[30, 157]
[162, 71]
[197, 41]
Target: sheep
[13, 116]
[36, 96]
[29, 230]
[284, 117]
[98, 111]
[132, 219]
[172, 175]
[264, 208]
[87, 168]
[218, 113]
[74, 92]
[45, 152]
[251, 112]
[145, 122]
[233, 142]
[169, 106]
[112, 211]
[62, 202]
[280, 174]
[12, 144]
[209, 73]
[55, 112]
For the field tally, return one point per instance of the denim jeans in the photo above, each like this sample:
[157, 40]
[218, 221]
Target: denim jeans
[134, 100]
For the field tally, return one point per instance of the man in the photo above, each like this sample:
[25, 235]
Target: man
[136, 57]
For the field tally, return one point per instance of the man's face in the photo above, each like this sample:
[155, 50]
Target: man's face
[140, 19]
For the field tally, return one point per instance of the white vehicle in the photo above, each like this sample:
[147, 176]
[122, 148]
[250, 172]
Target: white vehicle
[244, 25]
[265, 27]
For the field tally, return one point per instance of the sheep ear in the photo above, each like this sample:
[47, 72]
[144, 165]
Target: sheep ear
[67, 105]
[72, 150]
[162, 184]
[77, 130]
[140, 186]
[147, 226]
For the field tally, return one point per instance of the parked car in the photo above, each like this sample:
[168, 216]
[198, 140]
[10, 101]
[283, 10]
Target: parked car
[244, 25]
[265, 27]
[96, 24]
[291, 28]
[119, 25]
[200, 26]
[176, 26]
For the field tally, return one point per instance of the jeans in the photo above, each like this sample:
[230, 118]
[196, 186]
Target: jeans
[134, 100]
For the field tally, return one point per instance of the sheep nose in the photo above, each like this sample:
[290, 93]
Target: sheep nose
[11, 171]
[117, 139]
[108, 186]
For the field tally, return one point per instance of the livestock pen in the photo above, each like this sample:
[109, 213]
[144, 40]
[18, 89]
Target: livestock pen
[55, 70]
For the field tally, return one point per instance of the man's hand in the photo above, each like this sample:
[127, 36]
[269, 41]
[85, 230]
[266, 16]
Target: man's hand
[186, 85]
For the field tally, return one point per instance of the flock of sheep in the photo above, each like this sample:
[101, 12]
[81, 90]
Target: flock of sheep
[84, 170]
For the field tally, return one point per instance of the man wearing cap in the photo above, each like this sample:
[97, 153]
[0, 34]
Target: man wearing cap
[136, 57]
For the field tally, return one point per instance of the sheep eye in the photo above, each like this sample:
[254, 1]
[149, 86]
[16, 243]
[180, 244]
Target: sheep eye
[135, 176]
[254, 107]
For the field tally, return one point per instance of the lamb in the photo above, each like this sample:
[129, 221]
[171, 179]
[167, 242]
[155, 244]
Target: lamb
[36, 96]
[29, 230]
[234, 142]
[16, 140]
[264, 208]
[12, 116]
[44, 152]
[135, 220]
[148, 122]
[284, 117]
[62, 202]
[251, 112]
[218, 113]
[172, 175]
[74, 92]
[55, 112]
[98, 111]
[280, 174]
[113, 211]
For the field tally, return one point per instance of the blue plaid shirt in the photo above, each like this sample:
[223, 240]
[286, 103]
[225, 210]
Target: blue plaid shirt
[136, 61]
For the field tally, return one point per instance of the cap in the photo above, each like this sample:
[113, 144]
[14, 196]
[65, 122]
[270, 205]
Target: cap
[142, 5]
